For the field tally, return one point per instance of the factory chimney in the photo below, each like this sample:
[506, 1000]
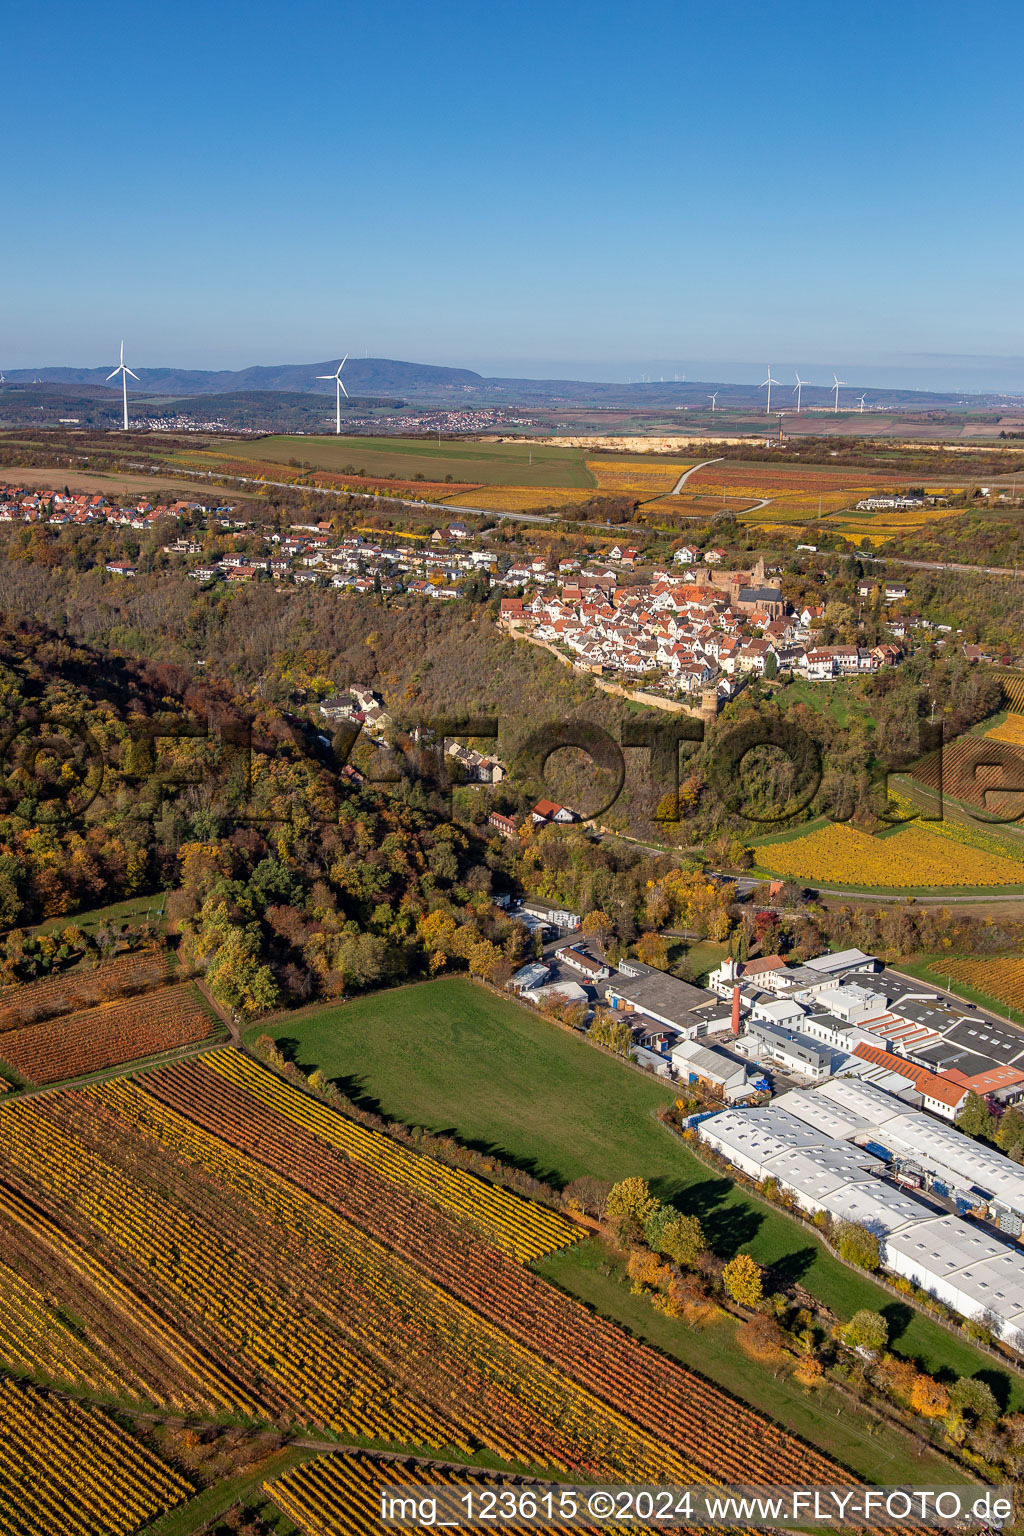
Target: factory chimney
[735, 1010]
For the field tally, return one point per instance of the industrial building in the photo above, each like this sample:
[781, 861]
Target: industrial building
[791, 1050]
[849, 1148]
[715, 1071]
[686, 1010]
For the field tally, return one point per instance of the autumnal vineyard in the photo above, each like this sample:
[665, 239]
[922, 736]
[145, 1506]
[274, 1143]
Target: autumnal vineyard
[642, 478]
[28, 1002]
[75, 1044]
[516, 498]
[982, 771]
[956, 831]
[220, 1253]
[341, 1495]
[517, 1226]
[66, 1470]
[912, 856]
[265, 469]
[1011, 730]
[1001, 978]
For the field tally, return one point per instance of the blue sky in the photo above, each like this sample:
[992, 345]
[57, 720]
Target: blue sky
[592, 190]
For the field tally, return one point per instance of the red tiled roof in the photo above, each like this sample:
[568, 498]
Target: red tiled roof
[929, 1083]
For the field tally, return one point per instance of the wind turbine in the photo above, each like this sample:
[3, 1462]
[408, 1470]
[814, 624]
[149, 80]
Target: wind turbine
[713, 398]
[341, 390]
[123, 369]
[860, 402]
[799, 388]
[769, 381]
[836, 385]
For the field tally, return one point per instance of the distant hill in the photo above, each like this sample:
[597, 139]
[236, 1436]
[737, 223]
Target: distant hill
[423, 383]
[362, 375]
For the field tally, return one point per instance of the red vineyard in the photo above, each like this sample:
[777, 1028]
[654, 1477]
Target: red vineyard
[76, 1044]
[82, 987]
[723, 1437]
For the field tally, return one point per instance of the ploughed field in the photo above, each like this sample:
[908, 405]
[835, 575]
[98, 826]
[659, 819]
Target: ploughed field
[206, 1239]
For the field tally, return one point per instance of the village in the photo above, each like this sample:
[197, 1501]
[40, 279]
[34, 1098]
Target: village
[702, 631]
[694, 632]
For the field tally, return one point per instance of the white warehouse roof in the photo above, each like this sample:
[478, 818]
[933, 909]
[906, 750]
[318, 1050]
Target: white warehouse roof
[945, 1244]
[750, 1137]
[877, 1206]
[815, 1172]
[943, 1147]
[810, 1106]
[827, 964]
[873, 1107]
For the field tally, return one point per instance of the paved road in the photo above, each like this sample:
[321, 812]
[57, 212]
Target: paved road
[687, 473]
[940, 565]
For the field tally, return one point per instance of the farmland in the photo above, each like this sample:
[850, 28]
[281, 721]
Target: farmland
[544, 1099]
[90, 1039]
[912, 857]
[644, 477]
[1010, 730]
[471, 462]
[27, 1003]
[213, 1209]
[1000, 977]
[67, 1470]
[516, 498]
[984, 772]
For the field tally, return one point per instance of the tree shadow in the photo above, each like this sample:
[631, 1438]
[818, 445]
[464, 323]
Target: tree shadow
[898, 1318]
[791, 1267]
[728, 1225]
[998, 1383]
[354, 1089]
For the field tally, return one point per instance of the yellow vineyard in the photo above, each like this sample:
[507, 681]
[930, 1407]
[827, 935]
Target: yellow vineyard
[519, 498]
[637, 477]
[913, 856]
[1001, 978]
[71, 1471]
[1011, 730]
[341, 1495]
[520, 1227]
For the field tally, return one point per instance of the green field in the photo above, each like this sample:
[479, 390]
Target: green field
[841, 701]
[470, 462]
[449, 1056]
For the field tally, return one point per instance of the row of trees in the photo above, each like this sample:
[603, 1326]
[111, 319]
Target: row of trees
[667, 1259]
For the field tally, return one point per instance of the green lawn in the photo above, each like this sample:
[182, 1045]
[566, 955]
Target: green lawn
[135, 910]
[472, 462]
[840, 701]
[449, 1056]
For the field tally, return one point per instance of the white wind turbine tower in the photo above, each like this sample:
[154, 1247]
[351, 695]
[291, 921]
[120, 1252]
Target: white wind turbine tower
[836, 386]
[340, 390]
[860, 402]
[123, 369]
[768, 382]
[799, 389]
[714, 401]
